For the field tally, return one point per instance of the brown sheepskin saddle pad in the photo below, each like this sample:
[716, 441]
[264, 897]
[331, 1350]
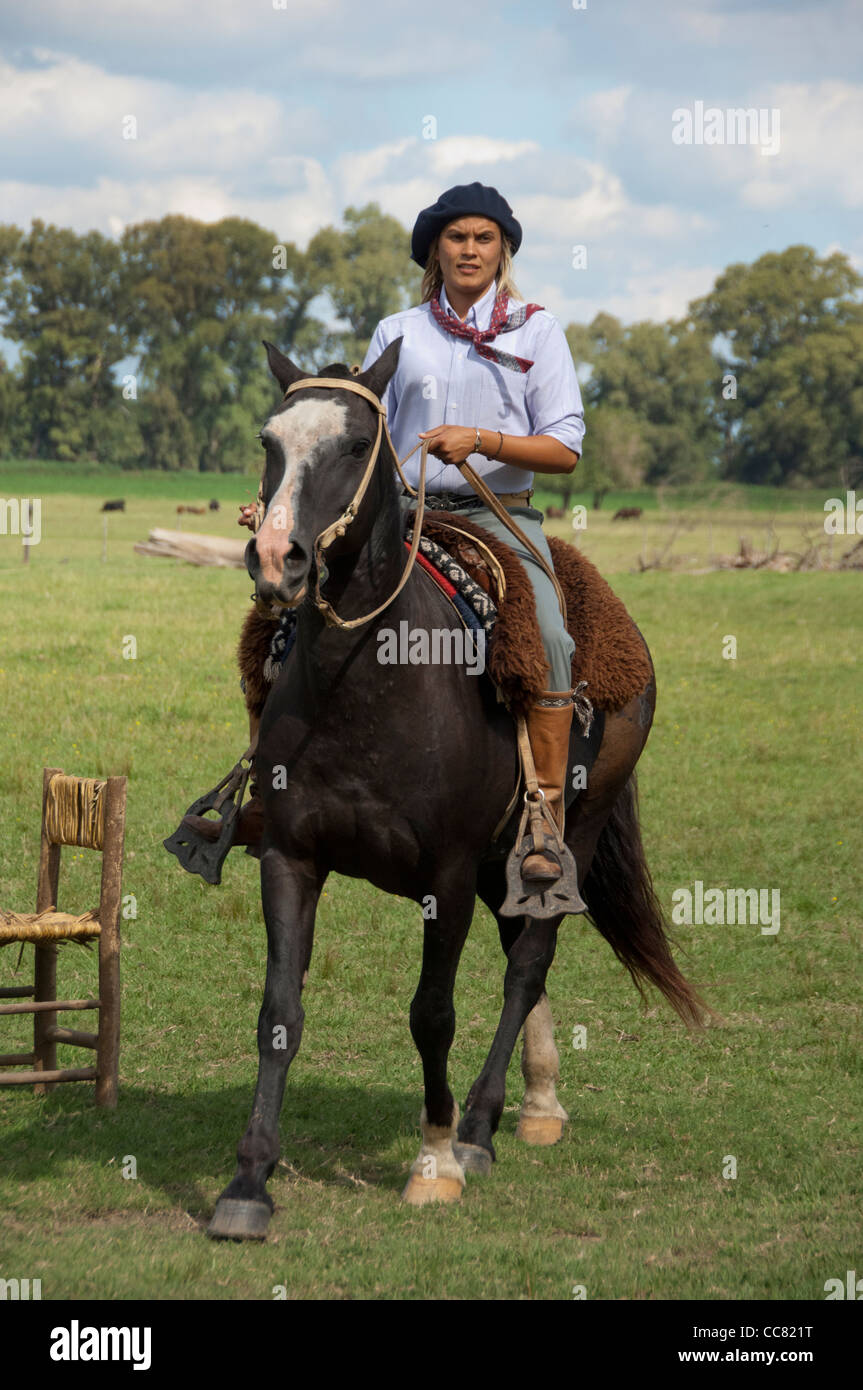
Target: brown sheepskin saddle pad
[609, 651]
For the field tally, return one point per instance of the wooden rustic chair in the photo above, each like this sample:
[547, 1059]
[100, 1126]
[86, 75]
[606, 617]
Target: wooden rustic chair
[84, 812]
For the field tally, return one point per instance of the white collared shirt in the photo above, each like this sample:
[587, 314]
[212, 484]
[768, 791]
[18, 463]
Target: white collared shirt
[442, 380]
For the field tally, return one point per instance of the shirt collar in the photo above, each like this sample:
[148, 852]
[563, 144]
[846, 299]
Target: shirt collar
[479, 314]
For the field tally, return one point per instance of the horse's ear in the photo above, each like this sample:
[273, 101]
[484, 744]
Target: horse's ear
[378, 374]
[282, 367]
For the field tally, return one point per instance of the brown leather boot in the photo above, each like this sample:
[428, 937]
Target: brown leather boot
[249, 824]
[548, 728]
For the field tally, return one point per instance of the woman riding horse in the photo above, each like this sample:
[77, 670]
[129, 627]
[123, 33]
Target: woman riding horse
[401, 781]
[511, 410]
[510, 407]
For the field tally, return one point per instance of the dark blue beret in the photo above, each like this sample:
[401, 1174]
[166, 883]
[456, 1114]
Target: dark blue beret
[465, 200]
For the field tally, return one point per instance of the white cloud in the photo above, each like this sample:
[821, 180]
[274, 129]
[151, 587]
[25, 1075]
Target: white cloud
[232, 150]
[377, 42]
[359, 170]
[854, 256]
[821, 127]
[358, 59]
[184, 20]
[760, 33]
[656, 295]
[807, 146]
[462, 151]
[406, 175]
[111, 205]
[605, 111]
[78, 105]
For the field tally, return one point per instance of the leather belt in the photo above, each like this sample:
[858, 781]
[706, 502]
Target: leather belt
[451, 502]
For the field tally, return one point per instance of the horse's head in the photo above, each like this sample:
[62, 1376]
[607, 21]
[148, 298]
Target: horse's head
[318, 445]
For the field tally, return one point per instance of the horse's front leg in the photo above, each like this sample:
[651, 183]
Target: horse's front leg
[289, 892]
[436, 1175]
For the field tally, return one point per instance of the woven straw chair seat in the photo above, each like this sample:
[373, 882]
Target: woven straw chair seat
[46, 926]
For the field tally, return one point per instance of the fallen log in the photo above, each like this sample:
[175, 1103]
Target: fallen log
[224, 551]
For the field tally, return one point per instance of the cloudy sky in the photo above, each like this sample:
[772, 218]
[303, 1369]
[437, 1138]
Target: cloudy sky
[287, 111]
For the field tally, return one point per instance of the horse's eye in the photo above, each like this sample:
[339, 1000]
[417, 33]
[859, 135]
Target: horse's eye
[360, 448]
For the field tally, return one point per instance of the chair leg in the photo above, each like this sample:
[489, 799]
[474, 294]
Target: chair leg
[108, 1049]
[45, 962]
[110, 900]
[44, 1047]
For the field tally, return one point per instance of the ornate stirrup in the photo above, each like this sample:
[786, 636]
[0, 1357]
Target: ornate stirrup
[530, 897]
[206, 857]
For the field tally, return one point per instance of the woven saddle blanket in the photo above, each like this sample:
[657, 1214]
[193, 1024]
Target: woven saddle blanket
[610, 655]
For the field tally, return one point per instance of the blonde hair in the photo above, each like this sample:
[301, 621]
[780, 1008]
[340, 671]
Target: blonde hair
[433, 275]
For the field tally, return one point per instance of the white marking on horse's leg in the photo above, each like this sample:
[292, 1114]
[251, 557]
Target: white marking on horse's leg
[542, 1116]
[296, 431]
[436, 1175]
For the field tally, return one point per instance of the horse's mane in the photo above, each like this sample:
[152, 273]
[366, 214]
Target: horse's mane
[336, 369]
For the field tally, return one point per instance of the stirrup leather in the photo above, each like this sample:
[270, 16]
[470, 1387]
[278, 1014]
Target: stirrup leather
[534, 898]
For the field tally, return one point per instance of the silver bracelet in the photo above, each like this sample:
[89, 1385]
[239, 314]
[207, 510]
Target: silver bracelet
[477, 442]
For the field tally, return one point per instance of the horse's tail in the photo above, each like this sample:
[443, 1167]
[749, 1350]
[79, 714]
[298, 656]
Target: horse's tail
[623, 906]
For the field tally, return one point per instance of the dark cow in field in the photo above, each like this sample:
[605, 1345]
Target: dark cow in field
[118, 505]
[214, 504]
[555, 513]
[627, 514]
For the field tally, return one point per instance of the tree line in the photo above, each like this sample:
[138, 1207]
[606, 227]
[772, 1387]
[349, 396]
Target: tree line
[145, 351]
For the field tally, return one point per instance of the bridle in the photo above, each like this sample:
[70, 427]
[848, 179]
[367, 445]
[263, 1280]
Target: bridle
[337, 528]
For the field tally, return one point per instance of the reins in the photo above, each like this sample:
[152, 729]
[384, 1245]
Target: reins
[337, 528]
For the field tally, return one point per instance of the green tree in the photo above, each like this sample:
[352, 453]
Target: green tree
[64, 302]
[204, 296]
[660, 377]
[789, 332]
[614, 453]
[12, 413]
[367, 274]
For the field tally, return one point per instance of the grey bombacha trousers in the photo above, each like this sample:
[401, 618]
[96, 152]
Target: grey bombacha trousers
[559, 646]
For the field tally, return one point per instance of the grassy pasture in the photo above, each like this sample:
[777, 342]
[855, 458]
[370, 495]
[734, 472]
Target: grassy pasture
[750, 779]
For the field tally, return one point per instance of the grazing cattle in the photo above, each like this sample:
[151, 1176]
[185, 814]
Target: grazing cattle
[195, 511]
[214, 504]
[627, 514]
[118, 505]
[555, 513]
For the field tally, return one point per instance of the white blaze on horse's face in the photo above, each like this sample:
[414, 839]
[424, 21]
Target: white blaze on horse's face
[295, 432]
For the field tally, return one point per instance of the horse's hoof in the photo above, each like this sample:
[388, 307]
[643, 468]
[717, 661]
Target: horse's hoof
[540, 1130]
[420, 1191]
[236, 1219]
[473, 1158]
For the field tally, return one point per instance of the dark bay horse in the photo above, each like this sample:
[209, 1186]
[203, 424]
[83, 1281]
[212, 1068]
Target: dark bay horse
[399, 774]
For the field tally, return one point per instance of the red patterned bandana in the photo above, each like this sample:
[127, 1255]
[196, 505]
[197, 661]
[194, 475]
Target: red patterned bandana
[500, 323]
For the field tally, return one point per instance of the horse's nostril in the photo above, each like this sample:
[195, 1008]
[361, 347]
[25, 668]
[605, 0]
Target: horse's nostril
[295, 557]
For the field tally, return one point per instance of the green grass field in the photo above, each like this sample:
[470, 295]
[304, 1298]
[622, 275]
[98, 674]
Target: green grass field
[751, 778]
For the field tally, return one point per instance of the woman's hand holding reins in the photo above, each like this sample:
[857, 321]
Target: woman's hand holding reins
[450, 443]
[537, 453]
